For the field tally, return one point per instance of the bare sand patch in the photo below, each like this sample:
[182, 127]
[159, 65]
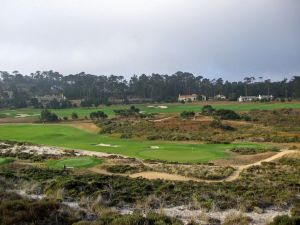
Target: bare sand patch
[158, 107]
[158, 175]
[108, 145]
[22, 115]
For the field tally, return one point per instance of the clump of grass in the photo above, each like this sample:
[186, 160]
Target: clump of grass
[125, 169]
[4, 160]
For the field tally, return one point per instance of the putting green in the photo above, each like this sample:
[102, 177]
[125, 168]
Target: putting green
[4, 160]
[76, 163]
[70, 137]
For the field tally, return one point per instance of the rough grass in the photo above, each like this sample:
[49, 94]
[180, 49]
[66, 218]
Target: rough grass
[4, 160]
[171, 108]
[76, 163]
[70, 137]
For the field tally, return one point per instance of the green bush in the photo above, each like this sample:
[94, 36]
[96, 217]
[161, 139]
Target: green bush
[98, 115]
[187, 114]
[227, 114]
[207, 110]
[74, 116]
[285, 220]
[48, 116]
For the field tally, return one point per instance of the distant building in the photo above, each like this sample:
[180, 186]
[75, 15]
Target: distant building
[133, 99]
[114, 100]
[202, 98]
[45, 99]
[265, 97]
[220, 97]
[247, 98]
[7, 95]
[186, 98]
[76, 102]
[255, 98]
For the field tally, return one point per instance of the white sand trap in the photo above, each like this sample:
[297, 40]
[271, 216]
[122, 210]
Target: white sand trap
[154, 147]
[21, 115]
[158, 107]
[108, 145]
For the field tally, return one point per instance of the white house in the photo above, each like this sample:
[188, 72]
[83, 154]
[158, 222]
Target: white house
[255, 98]
[220, 97]
[203, 97]
[266, 97]
[45, 99]
[186, 98]
[247, 98]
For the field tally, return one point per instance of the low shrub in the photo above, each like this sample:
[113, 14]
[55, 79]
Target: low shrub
[285, 220]
[187, 114]
[227, 114]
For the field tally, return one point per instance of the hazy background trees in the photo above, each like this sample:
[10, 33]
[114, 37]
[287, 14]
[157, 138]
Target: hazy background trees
[95, 90]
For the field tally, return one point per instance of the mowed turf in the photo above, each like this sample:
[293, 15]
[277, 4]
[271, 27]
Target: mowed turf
[171, 108]
[4, 160]
[70, 137]
[76, 162]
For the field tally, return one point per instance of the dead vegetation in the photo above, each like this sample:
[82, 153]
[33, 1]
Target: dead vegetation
[210, 130]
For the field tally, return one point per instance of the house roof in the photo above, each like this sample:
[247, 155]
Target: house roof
[187, 96]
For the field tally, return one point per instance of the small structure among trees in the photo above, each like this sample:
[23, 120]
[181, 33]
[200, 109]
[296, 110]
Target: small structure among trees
[187, 98]
[255, 98]
[220, 97]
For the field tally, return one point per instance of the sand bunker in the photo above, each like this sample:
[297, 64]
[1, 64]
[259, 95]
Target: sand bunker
[154, 147]
[21, 115]
[158, 107]
[108, 145]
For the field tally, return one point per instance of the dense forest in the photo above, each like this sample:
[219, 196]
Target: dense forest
[20, 90]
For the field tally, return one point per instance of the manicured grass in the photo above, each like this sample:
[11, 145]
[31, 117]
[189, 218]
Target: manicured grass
[70, 137]
[171, 108]
[76, 163]
[4, 160]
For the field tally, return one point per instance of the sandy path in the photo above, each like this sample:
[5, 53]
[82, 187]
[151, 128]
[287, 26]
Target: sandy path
[235, 175]
[239, 169]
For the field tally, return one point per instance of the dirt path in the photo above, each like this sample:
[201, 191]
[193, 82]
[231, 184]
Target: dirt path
[239, 169]
[235, 175]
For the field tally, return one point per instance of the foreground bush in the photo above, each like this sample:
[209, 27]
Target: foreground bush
[285, 220]
[16, 210]
[134, 219]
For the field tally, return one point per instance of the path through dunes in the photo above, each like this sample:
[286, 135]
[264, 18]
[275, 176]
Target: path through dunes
[235, 175]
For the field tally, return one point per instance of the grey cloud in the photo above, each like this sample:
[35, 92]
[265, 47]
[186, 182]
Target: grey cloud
[228, 38]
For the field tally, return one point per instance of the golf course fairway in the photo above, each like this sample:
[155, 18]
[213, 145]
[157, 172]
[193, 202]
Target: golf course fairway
[74, 138]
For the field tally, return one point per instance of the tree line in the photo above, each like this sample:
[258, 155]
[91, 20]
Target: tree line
[21, 89]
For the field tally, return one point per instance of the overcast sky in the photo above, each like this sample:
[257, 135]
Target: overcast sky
[213, 38]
